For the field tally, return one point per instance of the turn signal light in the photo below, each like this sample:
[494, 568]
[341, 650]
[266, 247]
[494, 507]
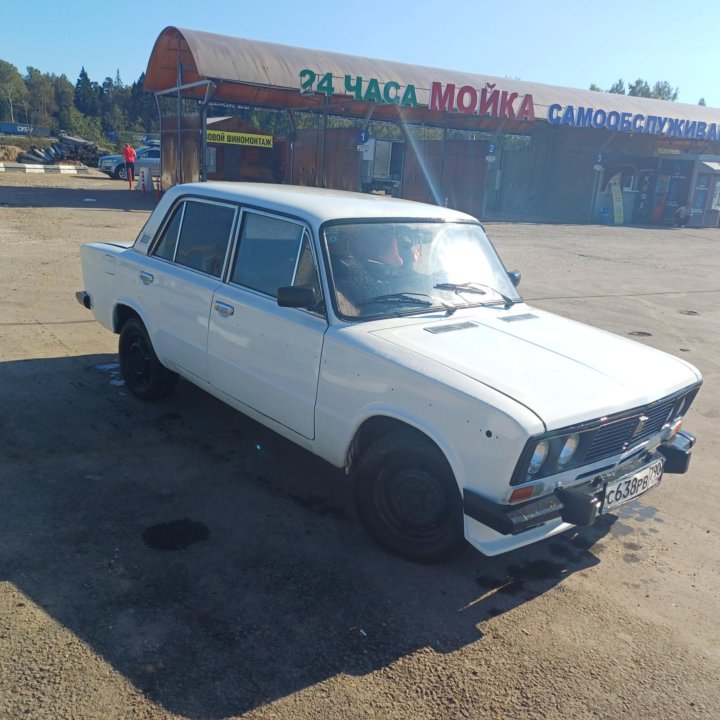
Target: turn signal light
[524, 493]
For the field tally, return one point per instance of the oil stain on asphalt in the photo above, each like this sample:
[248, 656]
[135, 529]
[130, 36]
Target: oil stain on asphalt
[175, 535]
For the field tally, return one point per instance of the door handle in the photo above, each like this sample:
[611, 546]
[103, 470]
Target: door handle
[146, 278]
[224, 309]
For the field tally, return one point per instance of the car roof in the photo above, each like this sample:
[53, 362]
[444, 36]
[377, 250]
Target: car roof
[317, 205]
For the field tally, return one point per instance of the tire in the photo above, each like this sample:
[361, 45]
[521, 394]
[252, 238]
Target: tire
[145, 376]
[120, 172]
[407, 499]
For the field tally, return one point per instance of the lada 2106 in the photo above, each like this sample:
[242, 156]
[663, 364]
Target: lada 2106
[387, 337]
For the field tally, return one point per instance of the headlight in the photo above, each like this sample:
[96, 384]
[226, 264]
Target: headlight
[550, 455]
[538, 457]
[569, 448]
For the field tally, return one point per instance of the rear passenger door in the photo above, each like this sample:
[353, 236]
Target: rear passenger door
[262, 355]
[177, 281]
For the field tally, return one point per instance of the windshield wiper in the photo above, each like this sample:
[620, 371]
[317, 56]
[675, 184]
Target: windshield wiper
[410, 298]
[473, 287]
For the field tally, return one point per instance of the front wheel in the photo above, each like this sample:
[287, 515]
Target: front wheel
[145, 376]
[407, 499]
[120, 173]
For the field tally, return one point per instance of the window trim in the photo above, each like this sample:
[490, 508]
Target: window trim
[168, 219]
[249, 210]
[159, 235]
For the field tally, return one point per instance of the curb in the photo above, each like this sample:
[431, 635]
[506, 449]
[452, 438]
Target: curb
[27, 168]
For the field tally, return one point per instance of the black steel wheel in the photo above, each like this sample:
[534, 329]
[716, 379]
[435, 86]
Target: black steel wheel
[145, 376]
[407, 498]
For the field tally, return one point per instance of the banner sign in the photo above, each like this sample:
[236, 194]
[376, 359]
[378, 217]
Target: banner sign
[17, 129]
[491, 101]
[234, 138]
[632, 123]
[366, 90]
[488, 101]
[617, 200]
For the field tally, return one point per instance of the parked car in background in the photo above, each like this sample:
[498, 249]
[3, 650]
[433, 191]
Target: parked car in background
[387, 337]
[149, 160]
[146, 157]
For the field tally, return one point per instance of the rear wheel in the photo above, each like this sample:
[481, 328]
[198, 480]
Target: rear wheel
[408, 500]
[145, 376]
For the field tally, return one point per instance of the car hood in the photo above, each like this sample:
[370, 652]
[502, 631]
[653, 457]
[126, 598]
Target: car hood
[110, 157]
[564, 371]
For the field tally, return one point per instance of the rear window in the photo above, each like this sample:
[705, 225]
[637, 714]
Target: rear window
[198, 236]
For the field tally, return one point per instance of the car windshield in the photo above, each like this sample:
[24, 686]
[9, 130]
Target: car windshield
[389, 268]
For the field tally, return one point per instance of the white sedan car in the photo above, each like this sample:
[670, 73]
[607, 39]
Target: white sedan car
[387, 337]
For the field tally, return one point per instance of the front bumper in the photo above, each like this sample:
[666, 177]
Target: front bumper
[577, 505]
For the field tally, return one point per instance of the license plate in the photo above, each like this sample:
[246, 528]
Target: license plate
[618, 492]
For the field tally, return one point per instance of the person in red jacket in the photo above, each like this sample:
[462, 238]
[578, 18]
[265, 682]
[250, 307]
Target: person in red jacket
[129, 157]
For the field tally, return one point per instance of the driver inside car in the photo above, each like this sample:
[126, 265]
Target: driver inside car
[370, 261]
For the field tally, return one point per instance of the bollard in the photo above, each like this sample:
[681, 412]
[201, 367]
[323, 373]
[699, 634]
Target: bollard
[142, 180]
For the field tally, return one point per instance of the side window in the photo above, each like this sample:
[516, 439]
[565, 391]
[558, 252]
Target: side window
[166, 247]
[204, 237]
[267, 256]
[154, 154]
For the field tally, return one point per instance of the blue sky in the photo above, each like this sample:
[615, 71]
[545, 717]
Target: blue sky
[559, 43]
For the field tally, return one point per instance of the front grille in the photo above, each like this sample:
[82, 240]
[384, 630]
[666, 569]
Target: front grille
[617, 437]
[607, 437]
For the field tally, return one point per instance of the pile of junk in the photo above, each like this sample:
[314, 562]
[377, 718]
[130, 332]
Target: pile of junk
[66, 149]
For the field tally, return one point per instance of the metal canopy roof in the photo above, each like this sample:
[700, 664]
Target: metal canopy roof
[252, 72]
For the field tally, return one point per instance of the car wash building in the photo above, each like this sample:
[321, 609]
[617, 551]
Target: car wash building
[500, 149]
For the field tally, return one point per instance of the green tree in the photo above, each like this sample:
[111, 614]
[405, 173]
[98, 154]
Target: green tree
[142, 108]
[13, 92]
[661, 90]
[83, 126]
[87, 95]
[64, 99]
[41, 97]
[595, 87]
[639, 88]
[702, 101]
[664, 91]
[114, 97]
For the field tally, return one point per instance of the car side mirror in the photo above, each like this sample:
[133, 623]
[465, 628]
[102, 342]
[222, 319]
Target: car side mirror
[515, 277]
[297, 296]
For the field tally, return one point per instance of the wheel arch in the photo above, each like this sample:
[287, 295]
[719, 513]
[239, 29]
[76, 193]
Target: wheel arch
[121, 314]
[377, 426]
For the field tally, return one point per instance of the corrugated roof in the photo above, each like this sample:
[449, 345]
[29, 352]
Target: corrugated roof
[263, 73]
